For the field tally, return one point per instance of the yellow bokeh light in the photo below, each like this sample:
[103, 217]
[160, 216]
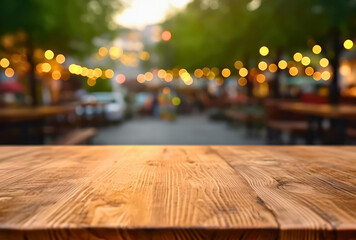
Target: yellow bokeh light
[226, 72]
[60, 58]
[238, 65]
[198, 73]
[9, 72]
[243, 72]
[46, 67]
[206, 71]
[264, 51]
[317, 49]
[103, 51]
[182, 71]
[4, 62]
[273, 68]
[215, 70]
[326, 75]
[348, 44]
[324, 62]
[169, 77]
[306, 61]
[176, 101]
[109, 73]
[114, 52]
[260, 78]
[144, 56]
[262, 65]
[293, 71]
[84, 72]
[91, 81]
[317, 76]
[49, 54]
[162, 73]
[282, 64]
[148, 76]
[97, 72]
[141, 78]
[297, 57]
[309, 71]
[72, 68]
[56, 75]
[242, 81]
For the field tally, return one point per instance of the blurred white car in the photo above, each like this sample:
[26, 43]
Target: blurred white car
[112, 103]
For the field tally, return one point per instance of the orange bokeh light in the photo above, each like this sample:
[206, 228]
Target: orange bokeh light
[166, 35]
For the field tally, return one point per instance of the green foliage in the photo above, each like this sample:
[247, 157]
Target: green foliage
[66, 25]
[218, 36]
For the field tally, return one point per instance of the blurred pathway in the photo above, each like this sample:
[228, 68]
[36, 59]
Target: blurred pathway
[187, 130]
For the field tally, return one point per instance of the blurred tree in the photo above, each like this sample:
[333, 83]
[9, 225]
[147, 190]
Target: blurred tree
[68, 26]
[218, 32]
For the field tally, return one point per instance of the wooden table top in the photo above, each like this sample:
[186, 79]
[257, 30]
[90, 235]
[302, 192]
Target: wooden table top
[180, 192]
[33, 113]
[321, 110]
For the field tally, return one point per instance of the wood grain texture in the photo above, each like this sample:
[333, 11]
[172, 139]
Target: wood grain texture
[177, 192]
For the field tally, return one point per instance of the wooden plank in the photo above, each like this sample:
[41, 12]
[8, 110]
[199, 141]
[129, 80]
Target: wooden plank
[298, 185]
[183, 192]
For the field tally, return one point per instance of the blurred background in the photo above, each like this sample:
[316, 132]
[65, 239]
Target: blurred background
[236, 72]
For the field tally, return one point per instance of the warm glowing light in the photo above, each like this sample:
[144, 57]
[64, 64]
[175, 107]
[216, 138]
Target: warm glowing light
[317, 49]
[243, 72]
[348, 44]
[4, 63]
[226, 72]
[325, 75]
[242, 81]
[176, 101]
[166, 35]
[317, 76]
[238, 65]
[91, 81]
[282, 64]
[264, 51]
[297, 57]
[260, 78]
[120, 78]
[49, 54]
[72, 68]
[141, 78]
[46, 67]
[166, 90]
[293, 71]
[169, 77]
[306, 61]
[162, 73]
[273, 68]
[345, 70]
[56, 75]
[114, 52]
[262, 66]
[216, 71]
[103, 51]
[324, 62]
[60, 58]
[109, 73]
[309, 71]
[144, 56]
[148, 76]
[9, 72]
[206, 71]
[97, 72]
[198, 73]
[90, 72]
